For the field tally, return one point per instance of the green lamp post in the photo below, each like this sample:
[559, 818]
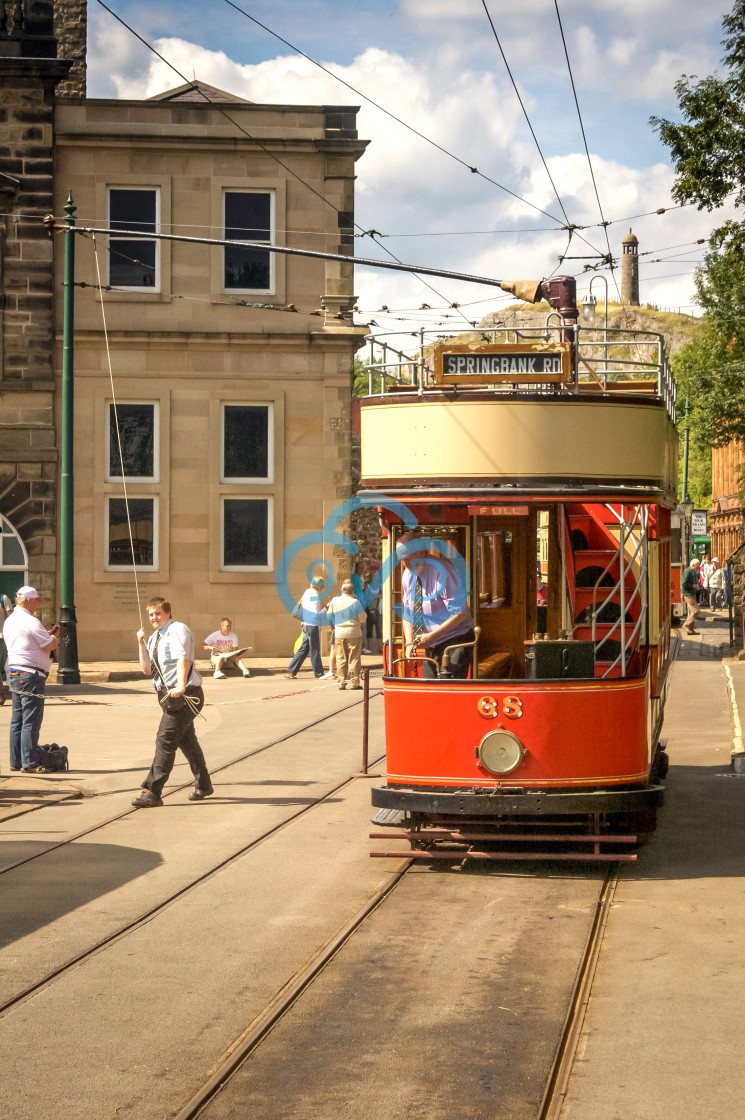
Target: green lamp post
[68, 671]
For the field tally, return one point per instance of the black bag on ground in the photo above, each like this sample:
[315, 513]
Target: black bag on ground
[51, 756]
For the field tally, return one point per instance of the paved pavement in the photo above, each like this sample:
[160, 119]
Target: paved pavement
[662, 1038]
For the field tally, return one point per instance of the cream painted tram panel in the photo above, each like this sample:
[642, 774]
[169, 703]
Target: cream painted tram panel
[598, 440]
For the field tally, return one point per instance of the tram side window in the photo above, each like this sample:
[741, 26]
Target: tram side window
[495, 569]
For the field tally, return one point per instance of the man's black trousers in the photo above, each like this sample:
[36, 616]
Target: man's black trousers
[176, 732]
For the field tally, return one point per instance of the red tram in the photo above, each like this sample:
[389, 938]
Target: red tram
[552, 455]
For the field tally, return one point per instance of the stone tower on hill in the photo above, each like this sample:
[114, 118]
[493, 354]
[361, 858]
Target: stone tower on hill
[630, 271]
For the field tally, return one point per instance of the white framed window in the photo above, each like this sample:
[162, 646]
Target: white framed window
[134, 262]
[246, 533]
[13, 560]
[138, 434]
[247, 442]
[143, 513]
[248, 216]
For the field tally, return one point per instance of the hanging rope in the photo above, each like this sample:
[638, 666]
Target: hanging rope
[190, 701]
[118, 434]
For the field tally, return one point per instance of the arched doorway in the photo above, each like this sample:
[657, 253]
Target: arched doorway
[13, 560]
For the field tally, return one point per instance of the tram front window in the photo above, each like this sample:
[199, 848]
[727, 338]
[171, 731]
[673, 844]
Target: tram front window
[436, 613]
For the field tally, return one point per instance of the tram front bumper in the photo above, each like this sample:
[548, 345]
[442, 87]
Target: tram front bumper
[516, 802]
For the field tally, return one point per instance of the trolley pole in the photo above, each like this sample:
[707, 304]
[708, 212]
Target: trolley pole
[68, 671]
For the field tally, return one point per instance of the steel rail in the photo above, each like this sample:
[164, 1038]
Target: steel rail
[274, 1012]
[556, 1087]
[176, 789]
[142, 919]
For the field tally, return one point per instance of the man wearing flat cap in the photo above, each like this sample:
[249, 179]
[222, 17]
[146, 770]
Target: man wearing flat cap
[29, 647]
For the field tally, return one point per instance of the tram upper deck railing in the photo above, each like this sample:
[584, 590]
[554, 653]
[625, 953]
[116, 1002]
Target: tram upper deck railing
[603, 361]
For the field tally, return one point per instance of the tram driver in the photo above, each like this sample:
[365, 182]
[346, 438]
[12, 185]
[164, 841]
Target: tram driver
[436, 611]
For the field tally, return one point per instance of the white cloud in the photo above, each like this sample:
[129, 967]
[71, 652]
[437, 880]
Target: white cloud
[405, 185]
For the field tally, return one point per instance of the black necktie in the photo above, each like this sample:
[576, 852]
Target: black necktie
[154, 666]
[418, 624]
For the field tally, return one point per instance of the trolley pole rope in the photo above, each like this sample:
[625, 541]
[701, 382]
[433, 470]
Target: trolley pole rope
[50, 222]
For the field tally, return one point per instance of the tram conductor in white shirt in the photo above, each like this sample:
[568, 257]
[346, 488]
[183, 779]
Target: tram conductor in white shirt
[168, 656]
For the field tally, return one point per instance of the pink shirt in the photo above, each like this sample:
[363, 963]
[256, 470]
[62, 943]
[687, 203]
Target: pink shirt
[25, 638]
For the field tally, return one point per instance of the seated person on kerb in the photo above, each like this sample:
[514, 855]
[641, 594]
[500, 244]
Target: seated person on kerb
[436, 613]
[224, 647]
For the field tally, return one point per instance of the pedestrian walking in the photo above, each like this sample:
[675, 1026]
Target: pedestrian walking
[29, 646]
[348, 635]
[717, 586]
[704, 575]
[689, 586]
[374, 634]
[312, 608]
[168, 656]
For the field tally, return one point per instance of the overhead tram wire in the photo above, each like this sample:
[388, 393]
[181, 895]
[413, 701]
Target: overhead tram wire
[525, 112]
[388, 113]
[587, 150]
[264, 148]
[571, 227]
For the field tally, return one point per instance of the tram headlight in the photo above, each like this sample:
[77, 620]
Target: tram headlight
[500, 752]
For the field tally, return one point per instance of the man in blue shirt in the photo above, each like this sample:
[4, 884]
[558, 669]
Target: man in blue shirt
[436, 613]
[168, 656]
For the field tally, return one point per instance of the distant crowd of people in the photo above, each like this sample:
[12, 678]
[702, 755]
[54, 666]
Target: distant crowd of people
[703, 585]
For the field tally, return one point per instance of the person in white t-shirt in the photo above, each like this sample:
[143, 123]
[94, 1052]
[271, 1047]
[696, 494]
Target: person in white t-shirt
[220, 643]
[29, 646]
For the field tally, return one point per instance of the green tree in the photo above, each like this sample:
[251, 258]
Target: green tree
[361, 379]
[708, 148]
[708, 153]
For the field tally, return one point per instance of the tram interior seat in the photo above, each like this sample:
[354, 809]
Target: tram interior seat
[497, 666]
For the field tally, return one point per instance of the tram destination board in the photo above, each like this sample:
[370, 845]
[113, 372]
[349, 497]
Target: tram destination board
[490, 364]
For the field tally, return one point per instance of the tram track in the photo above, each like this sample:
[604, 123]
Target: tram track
[153, 911]
[174, 790]
[553, 1098]
[558, 1081]
[244, 1046]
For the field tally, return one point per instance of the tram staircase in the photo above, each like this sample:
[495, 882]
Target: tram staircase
[594, 555]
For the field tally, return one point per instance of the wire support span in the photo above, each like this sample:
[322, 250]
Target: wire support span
[267, 150]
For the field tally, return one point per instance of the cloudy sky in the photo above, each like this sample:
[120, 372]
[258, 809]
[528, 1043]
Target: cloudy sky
[436, 64]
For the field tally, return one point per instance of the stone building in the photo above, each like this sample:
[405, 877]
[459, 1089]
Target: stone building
[30, 72]
[226, 370]
[727, 516]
